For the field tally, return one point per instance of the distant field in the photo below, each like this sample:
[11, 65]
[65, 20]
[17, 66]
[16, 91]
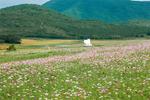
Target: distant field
[32, 43]
[28, 42]
[39, 42]
[43, 69]
[39, 48]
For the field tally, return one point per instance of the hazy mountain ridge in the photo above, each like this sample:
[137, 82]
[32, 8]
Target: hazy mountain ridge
[106, 10]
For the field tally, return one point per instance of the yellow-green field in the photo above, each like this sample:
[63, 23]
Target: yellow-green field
[43, 69]
[39, 48]
[38, 43]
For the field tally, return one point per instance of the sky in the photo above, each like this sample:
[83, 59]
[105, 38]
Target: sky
[140, 0]
[7, 3]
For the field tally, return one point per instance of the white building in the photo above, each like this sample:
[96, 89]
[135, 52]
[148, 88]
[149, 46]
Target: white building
[87, 43]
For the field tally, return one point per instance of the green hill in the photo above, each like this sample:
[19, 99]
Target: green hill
[106, 10]
[142, 23]
[36, 21]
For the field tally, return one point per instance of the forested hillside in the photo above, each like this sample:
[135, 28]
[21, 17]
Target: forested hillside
[36, 21]
[105, 10]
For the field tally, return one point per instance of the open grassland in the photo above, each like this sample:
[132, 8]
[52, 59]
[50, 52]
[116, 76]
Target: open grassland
[65, 70]
[40, 48]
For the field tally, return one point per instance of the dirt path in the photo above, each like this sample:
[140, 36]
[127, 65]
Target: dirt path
[106, 52]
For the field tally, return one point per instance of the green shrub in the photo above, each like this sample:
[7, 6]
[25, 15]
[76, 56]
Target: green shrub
[11, 48]
[1, 41]
[10, 38]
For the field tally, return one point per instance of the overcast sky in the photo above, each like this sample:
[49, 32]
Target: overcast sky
[140, 0]
[7, 3]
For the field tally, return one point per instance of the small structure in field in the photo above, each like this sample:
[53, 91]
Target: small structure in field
[87, 43]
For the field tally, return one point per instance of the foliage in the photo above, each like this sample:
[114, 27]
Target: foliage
[106, 10]
[11, 48]
[10, 38]
[36, 21]
[143, 23]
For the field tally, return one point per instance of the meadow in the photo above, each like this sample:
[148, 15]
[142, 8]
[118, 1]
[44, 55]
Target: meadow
[42, 69]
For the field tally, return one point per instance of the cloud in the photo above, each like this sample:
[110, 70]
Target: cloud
[7, 3]
[141, 0]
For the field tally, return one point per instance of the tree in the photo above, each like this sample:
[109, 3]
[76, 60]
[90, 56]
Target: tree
[10, 38]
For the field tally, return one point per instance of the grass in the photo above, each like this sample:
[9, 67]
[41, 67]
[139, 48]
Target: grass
[124, 78]
[40, 48]
[37, 48]
[116, 42]
[12, 56]
[77, 81]
[3, 46]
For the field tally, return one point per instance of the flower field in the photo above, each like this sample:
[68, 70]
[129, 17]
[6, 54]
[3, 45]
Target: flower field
[111, 70]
